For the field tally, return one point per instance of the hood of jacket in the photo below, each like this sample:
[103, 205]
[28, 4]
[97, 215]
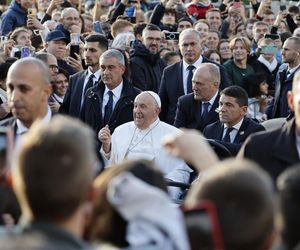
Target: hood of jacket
[139, 49]
[17, 8]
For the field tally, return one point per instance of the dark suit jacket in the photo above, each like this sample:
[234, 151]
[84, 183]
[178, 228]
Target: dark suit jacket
[215, 131]
[91, 112]
[171, 88]
[282, 86]
[72, 100]
[188, 113]
[274, 150]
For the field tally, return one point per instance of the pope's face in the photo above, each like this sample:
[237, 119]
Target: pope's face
[145, 111]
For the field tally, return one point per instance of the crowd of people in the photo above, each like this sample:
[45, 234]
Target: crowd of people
[139, 124]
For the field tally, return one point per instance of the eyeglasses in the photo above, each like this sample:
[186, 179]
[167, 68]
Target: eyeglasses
[54, 68]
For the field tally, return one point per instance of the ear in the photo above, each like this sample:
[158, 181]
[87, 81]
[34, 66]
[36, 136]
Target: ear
[290, 100]
[244, 109]
[47, 91]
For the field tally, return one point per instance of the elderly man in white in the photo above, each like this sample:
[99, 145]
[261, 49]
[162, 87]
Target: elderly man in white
[141, 139]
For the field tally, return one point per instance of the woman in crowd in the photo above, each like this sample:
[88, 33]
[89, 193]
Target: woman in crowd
[225, 51]
[213, 55]
[238, 68]
[60, 86]
[257, 89]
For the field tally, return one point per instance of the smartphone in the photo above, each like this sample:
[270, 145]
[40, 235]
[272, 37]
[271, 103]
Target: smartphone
[75, 38]
[32, 11]
[3, 40]
[282, 7]
[15, 52]
[172, 36]
[74, 48]
[203, 226]
[129, 11]
[25, 52]
[97, 27]
[237, 4]
[272, 36]
[269, 49]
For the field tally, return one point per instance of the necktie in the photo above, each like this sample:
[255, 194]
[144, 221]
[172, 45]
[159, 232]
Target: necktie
[288, 74]
[190, 68]
[205, 106]
[227, 135]
[89, 84]
[108, 108]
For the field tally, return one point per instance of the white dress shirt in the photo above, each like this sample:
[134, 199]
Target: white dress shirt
[95, 79]
[117, 91]
[234, 132]
[185, 71]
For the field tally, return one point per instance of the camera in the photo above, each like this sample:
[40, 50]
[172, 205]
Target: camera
[172, 36]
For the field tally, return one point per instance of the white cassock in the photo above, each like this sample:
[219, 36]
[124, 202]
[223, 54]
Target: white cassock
[129, 142]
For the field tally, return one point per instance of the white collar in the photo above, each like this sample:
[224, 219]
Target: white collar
[116, 91]
[271, 66]
[96, 74]
[152, 126]
[21, 128]
[293, 69]
[58, 98]
[236, 126]
[196, 64]
[212, 100]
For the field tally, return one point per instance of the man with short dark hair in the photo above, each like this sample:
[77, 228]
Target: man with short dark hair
[233, 127]
[55, 211]
[80, 82]
[145, 61]
[291, 59]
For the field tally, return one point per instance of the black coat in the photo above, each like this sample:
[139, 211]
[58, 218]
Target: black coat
[274, 150]
[188, 113]
[279, 106]
[72, 100]
[146, 68]
[171, 88]
[215, 131]
[91, 112]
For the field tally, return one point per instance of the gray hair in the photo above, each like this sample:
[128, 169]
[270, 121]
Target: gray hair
[114, 53]
[68, 10]
[189, 31]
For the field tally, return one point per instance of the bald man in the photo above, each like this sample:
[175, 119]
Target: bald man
[198, 109]
[141, 139]
[69, 22]
[28, 89]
